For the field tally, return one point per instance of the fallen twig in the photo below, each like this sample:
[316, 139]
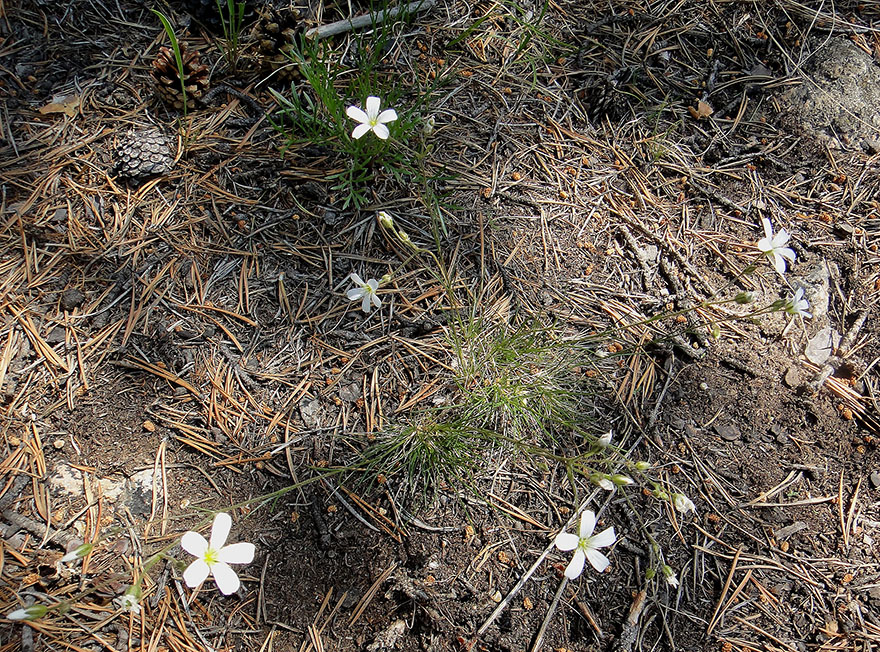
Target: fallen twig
[366, 20]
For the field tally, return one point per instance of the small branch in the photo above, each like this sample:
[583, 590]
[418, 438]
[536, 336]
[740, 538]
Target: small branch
[366, 20]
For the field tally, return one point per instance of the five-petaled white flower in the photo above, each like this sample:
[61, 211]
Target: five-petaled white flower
[797, 305]
[585, 545]
[371, 120]
[773, 246]
[214, 558]
[683, 504]
[364, 291]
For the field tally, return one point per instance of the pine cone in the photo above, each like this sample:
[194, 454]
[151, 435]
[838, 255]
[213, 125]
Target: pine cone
[167, 77]
[143, 153]
[278, 23]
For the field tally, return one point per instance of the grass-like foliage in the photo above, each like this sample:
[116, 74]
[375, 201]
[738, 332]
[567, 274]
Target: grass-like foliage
[519, 381]
[314, 114]
[514, 390]
[231, 17]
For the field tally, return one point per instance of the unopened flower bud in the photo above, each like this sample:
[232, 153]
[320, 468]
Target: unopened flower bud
[385, 220]
[643, 466]
[428, 126]
[28, 613]
[78, 553]
[622, 480]
[745, 297]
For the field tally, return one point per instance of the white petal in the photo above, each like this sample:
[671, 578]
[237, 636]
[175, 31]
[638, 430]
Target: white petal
[785, 252]
[381, 131]
[355, 293]
[374, 284]
[606, 484]
[576, 565]
[376, 301]
[605, 440]
[765, 245]
[779, 263]
[194, 543]
[798, 295]
[780, 239]
[220, 530]
[373, 104]
[604, 539]
[588, 524]
[360, 130]
[365, 304]
[768, 228]
[597, 560]
[566, 541]
[356, 279]
[227, 580]
[388, 115]
[196, 573]
[237, 553]
[356, 114]
[18, 614]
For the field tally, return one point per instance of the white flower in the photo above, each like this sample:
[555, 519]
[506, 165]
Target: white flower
[773, 246]
[214, 558]
[371, 120]
[605, 440]
[604, 482]
[797, 305]
[365, 291]
[585, 546]
[28, 613]
[128, 601]
[669, 574]
[683, 504]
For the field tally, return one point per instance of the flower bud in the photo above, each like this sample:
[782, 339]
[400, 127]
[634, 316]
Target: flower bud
[428, 126]
[28, 613]
[643, 466]
[622, 480]
[745, 297]
[385, 220]
[78, 553]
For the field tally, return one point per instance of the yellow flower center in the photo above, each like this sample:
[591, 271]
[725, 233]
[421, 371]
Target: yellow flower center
[211, 557]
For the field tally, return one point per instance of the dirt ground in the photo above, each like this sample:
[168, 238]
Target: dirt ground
[183, 344]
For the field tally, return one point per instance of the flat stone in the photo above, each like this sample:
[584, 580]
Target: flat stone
[875, 479]
[727, 431]
[822, 345]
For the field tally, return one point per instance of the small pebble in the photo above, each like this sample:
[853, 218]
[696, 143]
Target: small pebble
[58, 443]
[71, 299]
[875, 479]
[727, 432]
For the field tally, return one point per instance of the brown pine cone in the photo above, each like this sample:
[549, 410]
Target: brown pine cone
[143, 153]
[167, 78]
[278, 23]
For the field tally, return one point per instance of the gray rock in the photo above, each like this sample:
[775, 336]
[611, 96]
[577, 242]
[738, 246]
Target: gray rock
[839, 103]
[816, 285]
[822, 345]
[310, 412]
[727, 432]
[875, 479]
[71, 299]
